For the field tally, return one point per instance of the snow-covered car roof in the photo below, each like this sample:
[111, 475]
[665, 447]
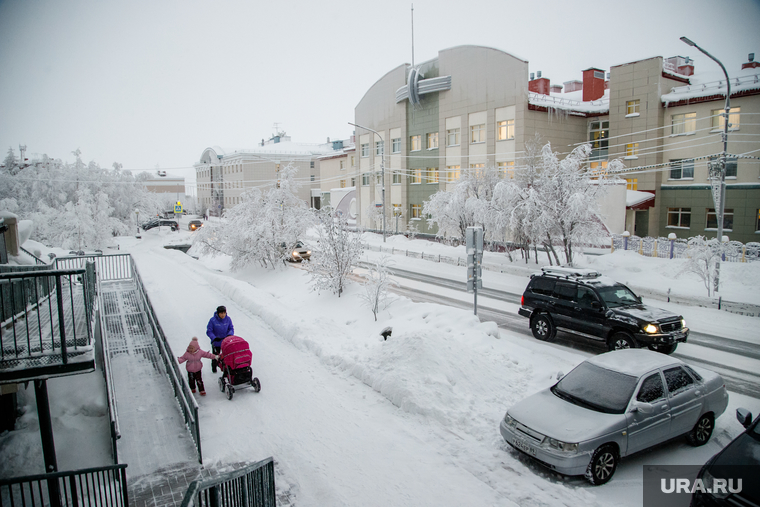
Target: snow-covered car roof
[635, 362]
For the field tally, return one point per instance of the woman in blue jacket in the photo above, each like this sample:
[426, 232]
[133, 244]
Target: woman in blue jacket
[219, 328]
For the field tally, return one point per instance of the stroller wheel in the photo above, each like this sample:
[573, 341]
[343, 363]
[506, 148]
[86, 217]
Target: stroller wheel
[229, 392]
[221, 384]
[256, 384]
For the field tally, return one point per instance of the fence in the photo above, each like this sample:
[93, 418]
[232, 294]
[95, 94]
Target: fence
[91, 487]
[187, 403]
[677, 248]
[252, 486]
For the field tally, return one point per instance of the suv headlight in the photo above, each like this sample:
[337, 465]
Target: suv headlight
[562, 446]
[683, 323]
[509, 421]
[650, 328]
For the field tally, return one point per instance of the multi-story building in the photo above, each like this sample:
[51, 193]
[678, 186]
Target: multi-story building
[338, 179]
[474, 106]
[222, 176]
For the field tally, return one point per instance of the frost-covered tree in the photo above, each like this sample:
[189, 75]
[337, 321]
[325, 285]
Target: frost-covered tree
[376, 285]
[264, 228]
[702, 255]
[336, 254]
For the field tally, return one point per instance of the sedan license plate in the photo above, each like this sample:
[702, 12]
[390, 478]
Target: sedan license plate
[524, 447]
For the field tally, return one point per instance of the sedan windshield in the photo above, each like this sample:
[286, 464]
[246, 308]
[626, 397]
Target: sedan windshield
[596, 388]
[617, 295]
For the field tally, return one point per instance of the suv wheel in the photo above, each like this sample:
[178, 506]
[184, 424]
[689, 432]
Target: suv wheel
[621, 340]
[543, 327]
[665, 349]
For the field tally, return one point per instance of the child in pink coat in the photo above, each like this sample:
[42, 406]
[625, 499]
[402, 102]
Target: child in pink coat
[193, 356]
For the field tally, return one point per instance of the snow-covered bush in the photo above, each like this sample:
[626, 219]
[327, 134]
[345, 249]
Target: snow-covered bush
[334, 256]
[376, 285]
[702, 255]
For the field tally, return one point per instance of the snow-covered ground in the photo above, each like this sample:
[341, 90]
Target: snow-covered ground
[354, 420]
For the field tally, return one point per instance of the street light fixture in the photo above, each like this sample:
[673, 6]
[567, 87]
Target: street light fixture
[723, 160]
[137, 215]
[382, 169]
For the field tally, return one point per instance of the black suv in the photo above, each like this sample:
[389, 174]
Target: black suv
[582, 302]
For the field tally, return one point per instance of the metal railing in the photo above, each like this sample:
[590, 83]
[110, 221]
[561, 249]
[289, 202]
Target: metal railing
[251, 486]
[678, 248]
[91, 487]
[187, 403]
[109, 267]
[41, 322]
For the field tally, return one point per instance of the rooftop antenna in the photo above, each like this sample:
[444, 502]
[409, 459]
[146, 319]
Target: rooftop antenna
[412, 35]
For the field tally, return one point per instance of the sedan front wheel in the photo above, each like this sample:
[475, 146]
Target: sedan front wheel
[602, 465]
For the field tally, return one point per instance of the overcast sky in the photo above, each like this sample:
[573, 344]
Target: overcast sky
[151, 83]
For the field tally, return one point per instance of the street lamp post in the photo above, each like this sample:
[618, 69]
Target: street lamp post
[382, 170]
[137, 215]
[723, 161]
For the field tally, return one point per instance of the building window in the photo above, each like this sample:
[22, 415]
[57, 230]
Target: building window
[365, 179]
[416, 211]
[353, 161]
[505, 130]
[718, 120]
[731, 165]
[342, 183]
[416, 176]
[396, 145]
[452, 137]
[365, 150]
[311, 164]
[353, 182]
[432, 141]
[379, 148]
[477, 133]
[632, 150]
[683, 123]
[633, 107]
[679, 217]
[313, 178]
[342, 165]
[478, 168]
[432, 175]
[396, 177]
[396, 210]
[599, 133]
[682, 169]
[415, 142]
[757, 220]
[632, 183]
[712, 219]
[453, 172]
[506, 169]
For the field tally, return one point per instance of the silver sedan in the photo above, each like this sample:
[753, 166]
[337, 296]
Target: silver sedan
[613, 405]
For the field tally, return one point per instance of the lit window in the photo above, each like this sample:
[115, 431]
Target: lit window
[415, 143]
[396, 210]
[718, 120]
[683, 123]
[728, 219]
[682, 169]
[396, 146]
[478, 133]
[432, 175]
[416, 176]
[599, 132]
[505, 130]
[731, 165]
[506, 169]
[432, 140]
[757, 221]
[416, 211]
[365, 150]
[679, 217]
[353, 161]
[633, 106]
[379, 147]
[342, 183]
[632, 150]
[478, 168]
[453, 172]
[632, 183]
[396, 176]
[452, 137]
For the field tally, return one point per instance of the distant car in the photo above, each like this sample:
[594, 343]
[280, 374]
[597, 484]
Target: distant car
[613, 405]
[298, 253]
[160, 222]
[585, 303]
[738, 460]
[194, 225]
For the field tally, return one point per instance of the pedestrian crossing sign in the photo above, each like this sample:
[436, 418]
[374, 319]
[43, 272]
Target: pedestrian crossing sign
[178, 208]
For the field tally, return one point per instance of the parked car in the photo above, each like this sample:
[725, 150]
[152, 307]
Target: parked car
[613, 405]
[194, 225]
[161, 222]
[585, 303]
[298, 253]
[738, 460]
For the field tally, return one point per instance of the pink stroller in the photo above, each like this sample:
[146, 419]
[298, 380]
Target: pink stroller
[235, 362]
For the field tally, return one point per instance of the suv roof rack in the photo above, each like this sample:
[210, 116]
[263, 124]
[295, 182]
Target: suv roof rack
[578, 273]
